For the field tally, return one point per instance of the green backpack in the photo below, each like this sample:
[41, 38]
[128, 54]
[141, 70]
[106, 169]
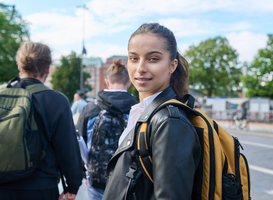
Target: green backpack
[20, 140]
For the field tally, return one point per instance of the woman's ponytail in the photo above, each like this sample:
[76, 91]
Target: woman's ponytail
[179, 77]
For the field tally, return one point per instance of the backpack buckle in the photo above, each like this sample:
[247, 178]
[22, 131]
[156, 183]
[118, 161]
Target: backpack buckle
[132, 170]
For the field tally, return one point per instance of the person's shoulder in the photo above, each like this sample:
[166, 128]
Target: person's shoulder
[91, 108]
[56, 95]
[83, 101]
[168, 113]
[90, 104]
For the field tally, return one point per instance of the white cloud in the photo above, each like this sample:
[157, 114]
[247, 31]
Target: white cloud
[6, 1]
[247, 44]
[182, 48]
[193, 27]
[58, 29]
[56, 55]
[110, 8]
[97, 49]
[104, 17]
[105, 51]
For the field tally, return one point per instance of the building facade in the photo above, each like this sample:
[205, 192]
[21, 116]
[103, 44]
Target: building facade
[97, 70]
[93, 67]
[98, 82]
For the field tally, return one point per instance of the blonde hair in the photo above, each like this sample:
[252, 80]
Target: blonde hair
[34, 58]
[117, 73]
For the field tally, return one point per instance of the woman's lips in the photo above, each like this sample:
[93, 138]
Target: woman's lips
[143, 80]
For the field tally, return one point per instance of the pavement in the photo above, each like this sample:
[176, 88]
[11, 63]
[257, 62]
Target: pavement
[254, 128]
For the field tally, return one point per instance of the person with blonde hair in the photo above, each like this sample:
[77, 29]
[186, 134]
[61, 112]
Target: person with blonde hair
[51, 110]
[101, 123]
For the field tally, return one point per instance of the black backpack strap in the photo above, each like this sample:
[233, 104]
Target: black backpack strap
[144, 158]
[16, 80]
[189, 99]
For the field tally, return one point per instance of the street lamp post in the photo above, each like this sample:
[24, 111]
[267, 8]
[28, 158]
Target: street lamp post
[83, 48]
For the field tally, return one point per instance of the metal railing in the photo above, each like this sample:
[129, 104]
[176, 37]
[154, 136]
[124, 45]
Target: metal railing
[264, 117]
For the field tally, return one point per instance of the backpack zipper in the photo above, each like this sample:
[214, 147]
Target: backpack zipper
[248, 177]
[212, 158]
[25, 150]
[237, 157]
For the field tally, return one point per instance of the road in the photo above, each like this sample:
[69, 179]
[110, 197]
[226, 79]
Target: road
[259, 153]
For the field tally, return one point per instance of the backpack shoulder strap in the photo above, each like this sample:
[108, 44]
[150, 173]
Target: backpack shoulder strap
[37, 87]
[144, 158]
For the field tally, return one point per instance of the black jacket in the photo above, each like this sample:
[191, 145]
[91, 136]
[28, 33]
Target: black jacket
[115, 102]
[175, 150]
[54, 119]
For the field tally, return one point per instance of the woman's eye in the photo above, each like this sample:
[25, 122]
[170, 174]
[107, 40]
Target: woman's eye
[154, 59]
[133, 58]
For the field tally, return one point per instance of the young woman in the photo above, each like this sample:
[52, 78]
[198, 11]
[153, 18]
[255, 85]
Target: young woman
[159, 73]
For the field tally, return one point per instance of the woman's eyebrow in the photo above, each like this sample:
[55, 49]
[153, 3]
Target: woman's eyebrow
[130, 52]
[152, 52]
[149, 53]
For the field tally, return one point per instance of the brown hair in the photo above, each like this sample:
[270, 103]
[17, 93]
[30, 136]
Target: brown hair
[34, 58]
[117, 73]
[179, 77]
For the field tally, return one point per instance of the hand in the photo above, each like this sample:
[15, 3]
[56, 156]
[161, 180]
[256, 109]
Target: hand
[67, 196]
[85, 181]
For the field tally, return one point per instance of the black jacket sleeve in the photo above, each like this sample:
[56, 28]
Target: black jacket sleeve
[67, 150]
[176, 153]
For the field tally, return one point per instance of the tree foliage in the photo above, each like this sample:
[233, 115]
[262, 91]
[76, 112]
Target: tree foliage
[213, 68]
[259, 78]
[13, 31]
[66, 77]
[133, 91]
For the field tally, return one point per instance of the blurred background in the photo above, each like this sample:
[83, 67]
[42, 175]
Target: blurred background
[228, 44]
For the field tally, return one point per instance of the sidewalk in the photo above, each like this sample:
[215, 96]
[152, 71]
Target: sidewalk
[254, 127]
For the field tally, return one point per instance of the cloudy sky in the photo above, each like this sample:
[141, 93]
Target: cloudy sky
[108, 24]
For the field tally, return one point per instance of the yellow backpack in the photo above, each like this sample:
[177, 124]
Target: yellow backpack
[223, 172]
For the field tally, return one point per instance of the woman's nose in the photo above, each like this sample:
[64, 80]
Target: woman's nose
[142, 66]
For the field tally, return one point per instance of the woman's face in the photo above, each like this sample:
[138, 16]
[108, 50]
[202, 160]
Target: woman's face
[149, 64]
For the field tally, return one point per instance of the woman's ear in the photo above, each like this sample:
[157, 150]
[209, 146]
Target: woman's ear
[173, 66]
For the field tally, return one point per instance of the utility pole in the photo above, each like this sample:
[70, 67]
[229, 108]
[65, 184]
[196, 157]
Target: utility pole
[83, 48]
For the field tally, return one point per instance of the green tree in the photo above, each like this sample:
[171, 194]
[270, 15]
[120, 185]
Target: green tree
[13, 31]
[259, 78]
[213, 68]
[66, 77]
[133, 91]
